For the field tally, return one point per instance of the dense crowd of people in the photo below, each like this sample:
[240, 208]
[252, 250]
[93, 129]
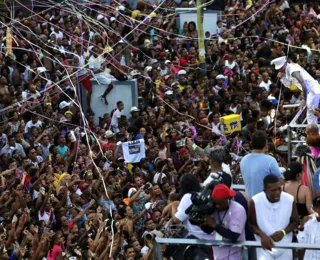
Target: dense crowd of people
[67, 188]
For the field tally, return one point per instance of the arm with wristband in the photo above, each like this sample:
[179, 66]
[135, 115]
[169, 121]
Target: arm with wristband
[294, 221]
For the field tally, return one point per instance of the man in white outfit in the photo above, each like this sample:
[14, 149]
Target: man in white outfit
[273, 215]
[292, 73]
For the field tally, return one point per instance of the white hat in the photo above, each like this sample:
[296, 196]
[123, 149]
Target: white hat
[279, 62]
[167, 62]
[134, 73]
[64, 104]
[63, 119]
[148, 68]
[131, 191]
[121, 8]
[168, 92]
[41, 69]
[148, 205]
[134, 109]
[99, 17]
[112, 19]
[154, 61]
[182, 72]
[108, 134]
[219, 77]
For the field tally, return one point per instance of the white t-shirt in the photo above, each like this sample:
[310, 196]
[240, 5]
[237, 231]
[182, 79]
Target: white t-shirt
[184, 204]
[265, 85]
[156, 177]
[81, 71]
[3, 140]
[59, 35]
[225, 168]
[95, 63]
[30, 124]
[311, 84]
[114, 121]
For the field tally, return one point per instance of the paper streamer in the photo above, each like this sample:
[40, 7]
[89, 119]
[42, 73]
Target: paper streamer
[9, 41]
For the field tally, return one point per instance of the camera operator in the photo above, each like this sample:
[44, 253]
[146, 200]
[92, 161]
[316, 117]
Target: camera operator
[189, 184]
[227, 222]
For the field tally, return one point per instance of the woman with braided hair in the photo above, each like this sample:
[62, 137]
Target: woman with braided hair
[309, 166]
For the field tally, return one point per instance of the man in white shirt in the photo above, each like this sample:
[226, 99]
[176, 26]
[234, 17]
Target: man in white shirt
[56, 32]
[11, 146]
[266, 82]
[99, 73]
[273, 216]
[116, 115]
[33, 122]
[290, 73]
[3, 140]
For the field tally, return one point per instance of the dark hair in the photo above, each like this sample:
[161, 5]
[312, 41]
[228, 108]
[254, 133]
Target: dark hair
[258, 140]
[119, 103]
[160, 164]
[188, 184]
[147, 220]
[10, 137]
[266, 104]
[316, 202]
[126, 247]
[269, 179]
[294, 168]
[122, 211]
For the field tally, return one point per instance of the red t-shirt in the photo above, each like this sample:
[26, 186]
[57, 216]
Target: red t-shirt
[185, 61]
[56, 251]
[107, 147]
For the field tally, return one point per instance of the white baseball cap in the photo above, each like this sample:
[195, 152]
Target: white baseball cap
[219, 77]
[99, 17]
[64, 104]
[279, 62]
[131, 191]
[154, 61]
[182, 72]
[134, 109]
[108, 134]
[148, 68]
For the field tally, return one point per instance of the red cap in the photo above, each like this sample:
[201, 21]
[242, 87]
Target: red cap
[71, 224]
[222, 191]
[183, 151]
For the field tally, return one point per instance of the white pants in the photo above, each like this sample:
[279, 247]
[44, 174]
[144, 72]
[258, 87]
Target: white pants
[278, 254]
[104, 78]
[312, 103]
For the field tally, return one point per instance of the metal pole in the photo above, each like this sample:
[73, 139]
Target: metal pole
[289, 144]
[201, 38]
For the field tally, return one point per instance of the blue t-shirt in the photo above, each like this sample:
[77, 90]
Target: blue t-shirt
[254, 168]
[316, 181]
[62, 150]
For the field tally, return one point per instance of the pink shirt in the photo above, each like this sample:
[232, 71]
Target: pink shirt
[315, 151]
[234, 219]
[56, 250]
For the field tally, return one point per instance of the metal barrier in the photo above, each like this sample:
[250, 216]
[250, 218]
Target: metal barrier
[157, 249]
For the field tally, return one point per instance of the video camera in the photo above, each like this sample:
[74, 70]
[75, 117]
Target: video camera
[202, 204]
